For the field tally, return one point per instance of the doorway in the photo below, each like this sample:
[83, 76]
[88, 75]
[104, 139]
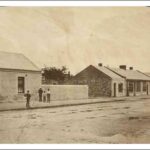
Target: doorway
[114, 89]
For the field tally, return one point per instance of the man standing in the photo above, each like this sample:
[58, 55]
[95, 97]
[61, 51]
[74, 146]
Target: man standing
[28, 96]
[48, 96]
[40, 94]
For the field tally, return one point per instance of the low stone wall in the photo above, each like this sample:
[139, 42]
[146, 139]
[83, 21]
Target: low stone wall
[67, 92]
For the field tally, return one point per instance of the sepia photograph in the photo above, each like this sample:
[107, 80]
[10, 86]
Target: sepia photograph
[75, 75]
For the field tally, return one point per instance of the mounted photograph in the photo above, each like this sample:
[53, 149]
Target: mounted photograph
[74, 75]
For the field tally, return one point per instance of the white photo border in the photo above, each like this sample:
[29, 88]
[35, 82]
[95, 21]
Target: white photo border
[74, 4]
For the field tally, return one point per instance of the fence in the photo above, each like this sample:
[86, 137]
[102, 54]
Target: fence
[67, 92]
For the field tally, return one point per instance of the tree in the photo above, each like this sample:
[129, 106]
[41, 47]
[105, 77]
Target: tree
[57, 74]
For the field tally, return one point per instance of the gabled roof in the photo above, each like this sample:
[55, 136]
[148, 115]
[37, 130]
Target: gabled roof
[108, 72]
[147, 73]
[16, 61]
[131, 74]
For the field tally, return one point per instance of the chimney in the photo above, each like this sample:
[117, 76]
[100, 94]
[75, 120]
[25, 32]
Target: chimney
[122, 67]
[100, 64]
[131, 68]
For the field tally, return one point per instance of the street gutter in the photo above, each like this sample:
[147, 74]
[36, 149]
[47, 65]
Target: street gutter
[75, 104]
[61, 105]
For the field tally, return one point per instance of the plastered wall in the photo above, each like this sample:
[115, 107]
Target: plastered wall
[9, 82]
[67, 92]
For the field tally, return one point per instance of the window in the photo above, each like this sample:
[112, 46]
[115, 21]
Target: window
[138, 86]
[130, 86]
[20, 84]
[92, 80]
[120, 87]
[144, 87]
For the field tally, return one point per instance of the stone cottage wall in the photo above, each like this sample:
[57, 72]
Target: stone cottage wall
[99, 84]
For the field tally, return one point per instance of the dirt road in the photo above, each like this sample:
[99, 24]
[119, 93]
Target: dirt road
[116, 122]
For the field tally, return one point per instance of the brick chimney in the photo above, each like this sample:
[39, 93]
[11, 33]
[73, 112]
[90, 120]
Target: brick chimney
[122, 67]
[131, 68]
[100, 64]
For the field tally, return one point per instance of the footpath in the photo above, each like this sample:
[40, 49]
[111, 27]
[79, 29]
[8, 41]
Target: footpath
[21, 105]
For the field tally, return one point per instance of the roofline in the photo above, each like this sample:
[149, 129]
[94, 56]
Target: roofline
[21, 70]
[94, 68]
[103, 72]
[129, 78]
[143, 73]
[23, 56]
[30, 61]
[81, 70]
[137, 80]
[115, 72]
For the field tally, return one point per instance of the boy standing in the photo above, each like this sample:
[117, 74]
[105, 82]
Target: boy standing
[44, 96]
[48, 96]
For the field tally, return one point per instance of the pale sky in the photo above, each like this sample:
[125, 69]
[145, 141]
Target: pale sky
[77, 36]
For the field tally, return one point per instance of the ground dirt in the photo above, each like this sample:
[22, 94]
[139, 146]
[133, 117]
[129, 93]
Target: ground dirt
[113, 122]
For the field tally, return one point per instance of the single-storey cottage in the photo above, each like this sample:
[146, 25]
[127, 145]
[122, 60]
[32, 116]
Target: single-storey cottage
[18, 74]
[105, 81]
[101, 81]
[137, 82]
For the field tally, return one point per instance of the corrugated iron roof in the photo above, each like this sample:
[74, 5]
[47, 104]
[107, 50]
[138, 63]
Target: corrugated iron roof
[16, 61]
[108, 72]
[131, 74]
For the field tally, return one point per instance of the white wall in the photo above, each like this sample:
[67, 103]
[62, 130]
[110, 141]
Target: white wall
[118, 94]
[148, 88]
[9, 82]
[67, 92]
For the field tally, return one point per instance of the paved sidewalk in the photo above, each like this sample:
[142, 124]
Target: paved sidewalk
[20, 105]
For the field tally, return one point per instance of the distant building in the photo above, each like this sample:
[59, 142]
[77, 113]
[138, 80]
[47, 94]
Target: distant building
[105, 81]
[18, 74]
[137, 82]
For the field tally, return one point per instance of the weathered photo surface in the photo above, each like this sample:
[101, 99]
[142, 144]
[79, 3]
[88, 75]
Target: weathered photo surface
[74, 75]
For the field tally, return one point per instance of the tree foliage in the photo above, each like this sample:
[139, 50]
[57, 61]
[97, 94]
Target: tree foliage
[57, 74]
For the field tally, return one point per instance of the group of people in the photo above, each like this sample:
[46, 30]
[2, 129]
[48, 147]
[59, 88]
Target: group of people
[44, 96]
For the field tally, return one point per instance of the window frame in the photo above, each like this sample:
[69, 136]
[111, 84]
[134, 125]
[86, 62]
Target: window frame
[138, 86]
[131, 87]
[21, 85]
[120, 89]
